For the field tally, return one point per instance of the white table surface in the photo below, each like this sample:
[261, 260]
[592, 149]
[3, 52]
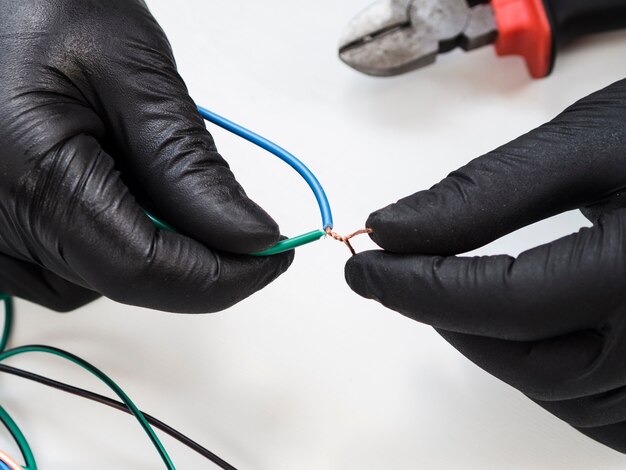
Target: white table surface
[306, 375]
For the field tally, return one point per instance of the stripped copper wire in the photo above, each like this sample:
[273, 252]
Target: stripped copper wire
[9, 462]
[346, 239]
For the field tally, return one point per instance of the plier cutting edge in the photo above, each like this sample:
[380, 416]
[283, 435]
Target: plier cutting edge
[391, 37]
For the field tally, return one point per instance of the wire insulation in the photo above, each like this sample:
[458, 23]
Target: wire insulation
[291, 160]
[291, 243]
[5, 417]
[118, 406]
[104, 378]
[19, 438]
[284, 155]
[8, 320]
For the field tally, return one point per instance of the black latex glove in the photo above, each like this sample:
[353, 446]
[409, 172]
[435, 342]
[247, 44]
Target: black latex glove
[551, 323]
[95, 124]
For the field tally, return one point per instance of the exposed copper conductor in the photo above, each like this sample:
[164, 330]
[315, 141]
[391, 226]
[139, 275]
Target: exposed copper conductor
[346, 239]
[9, 462]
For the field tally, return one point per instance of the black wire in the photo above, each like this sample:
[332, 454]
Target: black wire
[121, 407]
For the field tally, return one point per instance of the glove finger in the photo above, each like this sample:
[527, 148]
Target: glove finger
[92, 232]
[35, 284]
[556, 369]
[599, 409]
[167, 157]
[557, 374]
[595, 211]
[613, 435]
[570, 162]
[547, 291]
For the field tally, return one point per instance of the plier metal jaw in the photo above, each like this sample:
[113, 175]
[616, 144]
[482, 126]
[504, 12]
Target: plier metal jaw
[391, 37]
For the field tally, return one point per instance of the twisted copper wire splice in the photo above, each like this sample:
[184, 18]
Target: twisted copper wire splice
[346, 239]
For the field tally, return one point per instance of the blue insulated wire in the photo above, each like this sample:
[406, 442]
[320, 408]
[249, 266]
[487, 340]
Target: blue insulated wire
[4, 466]
[284, 155]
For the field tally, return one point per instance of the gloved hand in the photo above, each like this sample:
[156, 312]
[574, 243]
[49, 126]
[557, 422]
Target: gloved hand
[96, 124]
[551, 323]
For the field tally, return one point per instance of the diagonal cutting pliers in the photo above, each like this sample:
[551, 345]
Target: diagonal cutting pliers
[391, 37]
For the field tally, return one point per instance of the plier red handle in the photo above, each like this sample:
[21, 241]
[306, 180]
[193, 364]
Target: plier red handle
[395, 36]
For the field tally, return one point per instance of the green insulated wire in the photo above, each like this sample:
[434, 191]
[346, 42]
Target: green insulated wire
[292, 161]
[290, 244]
[8, 320]
[19, 438]
[14, 429]
[159, 223]
[108, 381]
[6, 419]
[280, 247]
